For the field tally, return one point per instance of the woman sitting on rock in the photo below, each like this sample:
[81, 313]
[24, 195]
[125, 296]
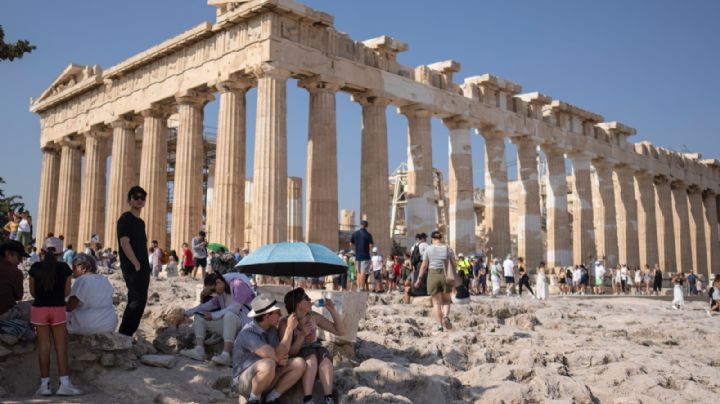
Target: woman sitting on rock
[223, 314]
[90, 305]
[305, 341]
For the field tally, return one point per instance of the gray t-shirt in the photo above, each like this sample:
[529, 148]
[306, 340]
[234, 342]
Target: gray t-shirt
[437, 256]
[199, 248]
[250, 338]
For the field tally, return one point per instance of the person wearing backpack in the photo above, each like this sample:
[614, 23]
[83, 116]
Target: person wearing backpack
[438, 260]
[416, 259]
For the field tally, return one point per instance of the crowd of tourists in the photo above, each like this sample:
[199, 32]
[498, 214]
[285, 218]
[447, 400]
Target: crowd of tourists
[268, 353]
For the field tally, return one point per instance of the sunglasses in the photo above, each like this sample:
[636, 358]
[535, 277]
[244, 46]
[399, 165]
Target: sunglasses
[139, 197]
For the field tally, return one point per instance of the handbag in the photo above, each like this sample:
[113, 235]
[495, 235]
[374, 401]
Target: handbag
[452, 277]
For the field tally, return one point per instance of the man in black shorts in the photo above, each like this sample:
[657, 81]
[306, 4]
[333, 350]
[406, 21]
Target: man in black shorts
[134, 260]
[199, 250]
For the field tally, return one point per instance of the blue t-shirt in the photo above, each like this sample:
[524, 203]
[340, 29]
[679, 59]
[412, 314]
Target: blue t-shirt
[362, 239]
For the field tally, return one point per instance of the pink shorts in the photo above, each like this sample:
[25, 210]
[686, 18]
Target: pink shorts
[47, 315]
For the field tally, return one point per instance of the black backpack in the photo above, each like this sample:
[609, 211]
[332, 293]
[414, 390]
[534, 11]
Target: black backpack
[415, 257]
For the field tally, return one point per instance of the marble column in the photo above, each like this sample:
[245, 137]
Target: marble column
[153, 174]
[226, 217]
[497, 204]
[604, 211]
[187, 206]
[530, 244]
[647, 223]
[626, 206]
[321, 199]
[665, 225]
[559, 253]
[697, 231]
[374, 183]
[138, 158]
[681, 222]
[712, 241]
[461, 228]
[269, 194]
[419, 194]
[347, 220]
[68, 200]
[92, 199]
[122, 170]
[583, 234]
[47, 200]
[294, 206]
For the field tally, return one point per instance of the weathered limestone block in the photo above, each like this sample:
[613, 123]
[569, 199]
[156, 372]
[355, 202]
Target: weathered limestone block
[351, 306]
[164, 361]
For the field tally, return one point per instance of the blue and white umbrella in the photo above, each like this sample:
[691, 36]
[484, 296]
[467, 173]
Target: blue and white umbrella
[293, 259]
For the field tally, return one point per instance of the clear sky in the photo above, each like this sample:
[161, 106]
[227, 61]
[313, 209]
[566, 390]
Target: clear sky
[650, 64]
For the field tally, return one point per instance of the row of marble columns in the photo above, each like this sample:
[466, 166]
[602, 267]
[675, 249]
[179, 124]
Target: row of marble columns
[644, 219]
[619, 214]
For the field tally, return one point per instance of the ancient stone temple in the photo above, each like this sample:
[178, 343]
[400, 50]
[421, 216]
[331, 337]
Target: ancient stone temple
[629, 203]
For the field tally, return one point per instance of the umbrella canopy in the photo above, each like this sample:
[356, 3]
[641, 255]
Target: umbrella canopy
[215, 247]
[293, 259]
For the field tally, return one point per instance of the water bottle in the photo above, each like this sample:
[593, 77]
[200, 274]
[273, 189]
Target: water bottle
[319, 302]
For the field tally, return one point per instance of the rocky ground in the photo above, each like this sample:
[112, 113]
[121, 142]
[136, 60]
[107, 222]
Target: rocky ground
[505, 350]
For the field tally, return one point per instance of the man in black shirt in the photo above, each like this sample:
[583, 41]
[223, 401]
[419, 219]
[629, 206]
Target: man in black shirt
[362, 241]
[134, 260]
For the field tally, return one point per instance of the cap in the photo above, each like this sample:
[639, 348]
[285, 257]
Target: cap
[375, 249]
[461, 255]
[53, 242]
[15, 246]
[261, 305]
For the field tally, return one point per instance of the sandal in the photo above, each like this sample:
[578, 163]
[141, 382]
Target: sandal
[447, 323]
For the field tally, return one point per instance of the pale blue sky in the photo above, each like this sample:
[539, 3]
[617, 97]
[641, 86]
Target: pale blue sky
[650, 64]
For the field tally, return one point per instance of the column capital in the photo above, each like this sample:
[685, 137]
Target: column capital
[50, 147]
[678, 184]
[457, 122]
[624, 169]
[552, 148]
[414, 110]
[644, 175]
[196, 98]
[320, 83]
[124, 123]
[661, 180]
[99, 132]
[709, 193]
[157, 111]
[237, 85]
[70, 141]
[268, 70]
[694, 189]
[370, 99]
[580, 155]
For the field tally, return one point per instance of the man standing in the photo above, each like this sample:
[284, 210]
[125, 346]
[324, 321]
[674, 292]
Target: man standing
[199, 249]
[134, 260]
[508, 269]
[260, 358]
[24, 232]
[362, 242]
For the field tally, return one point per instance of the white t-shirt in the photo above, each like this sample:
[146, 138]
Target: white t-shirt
[508, 267]
[377, 262]
[599, 271]
[623, 273]
[24, 226]
[95, 314]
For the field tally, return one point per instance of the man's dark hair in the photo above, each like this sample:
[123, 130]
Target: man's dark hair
[136, 190]
[436, 235]
[363, 223]
[154, 242]
[202, 233]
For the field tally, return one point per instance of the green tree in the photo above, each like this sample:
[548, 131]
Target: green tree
[10, 51]
[13, 202]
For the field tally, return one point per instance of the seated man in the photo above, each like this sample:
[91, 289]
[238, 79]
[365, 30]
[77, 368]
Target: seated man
[260, 358]
[11, 282]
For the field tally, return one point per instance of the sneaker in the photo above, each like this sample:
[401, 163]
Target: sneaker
[222, 360]
[68, 390]
[440, 328]
[447, 324]
[44, 390]
[194, 353]
[329, 400]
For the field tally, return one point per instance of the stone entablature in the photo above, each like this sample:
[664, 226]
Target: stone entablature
[275, 31]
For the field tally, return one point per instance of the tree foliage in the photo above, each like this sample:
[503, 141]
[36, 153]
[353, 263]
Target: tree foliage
[10, 51]
[13, 202]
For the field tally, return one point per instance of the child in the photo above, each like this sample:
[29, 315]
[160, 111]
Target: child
[49, 285]
[187, 266]
[395, 273]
